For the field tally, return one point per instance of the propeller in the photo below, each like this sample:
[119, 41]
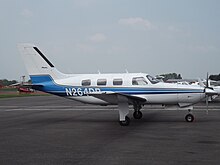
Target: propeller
[208, 91]
[207, 104]
[206, 96]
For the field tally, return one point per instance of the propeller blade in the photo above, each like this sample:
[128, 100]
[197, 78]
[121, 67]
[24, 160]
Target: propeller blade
[201, 83]
[208, 92]
[207, 80]
[207, 104]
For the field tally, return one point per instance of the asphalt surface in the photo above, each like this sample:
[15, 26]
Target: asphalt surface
[52, 130]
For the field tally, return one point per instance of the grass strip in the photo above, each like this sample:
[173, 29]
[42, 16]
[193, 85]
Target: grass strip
[21, 95]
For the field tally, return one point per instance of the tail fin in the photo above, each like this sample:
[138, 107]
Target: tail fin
[37, 64]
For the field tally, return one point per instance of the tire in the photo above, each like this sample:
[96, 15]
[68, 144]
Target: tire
[137, 114]
[189, 118]
[126, 122]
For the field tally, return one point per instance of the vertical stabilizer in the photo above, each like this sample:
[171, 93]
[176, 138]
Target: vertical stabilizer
[37, 63]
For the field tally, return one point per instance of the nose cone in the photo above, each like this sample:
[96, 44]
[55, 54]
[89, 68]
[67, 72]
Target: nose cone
[210, 92]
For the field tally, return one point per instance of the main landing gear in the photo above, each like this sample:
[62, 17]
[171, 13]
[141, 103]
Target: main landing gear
[189, 117]
[137, 113]
[123, 108]
[125, 122]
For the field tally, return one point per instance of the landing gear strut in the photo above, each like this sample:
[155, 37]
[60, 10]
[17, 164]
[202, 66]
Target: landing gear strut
[123, 110]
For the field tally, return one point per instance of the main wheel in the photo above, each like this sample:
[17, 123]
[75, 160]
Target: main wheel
[137, 114]
[126, 122]
[189, 118]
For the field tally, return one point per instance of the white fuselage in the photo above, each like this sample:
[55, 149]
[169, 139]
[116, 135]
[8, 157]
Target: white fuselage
[154, 93]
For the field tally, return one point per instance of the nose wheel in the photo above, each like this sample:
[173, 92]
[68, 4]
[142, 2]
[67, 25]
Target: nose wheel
[189, 118]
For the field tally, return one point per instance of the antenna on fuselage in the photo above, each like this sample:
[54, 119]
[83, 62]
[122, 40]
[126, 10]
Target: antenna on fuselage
[99, 72]
[126, 71]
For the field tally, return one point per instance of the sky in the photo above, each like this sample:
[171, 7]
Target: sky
[113, 36]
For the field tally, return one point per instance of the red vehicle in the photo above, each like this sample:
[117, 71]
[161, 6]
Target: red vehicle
[25, 90]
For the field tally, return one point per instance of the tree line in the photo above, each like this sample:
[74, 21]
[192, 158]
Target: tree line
[215, 77]
[5, 82]
[178, 76]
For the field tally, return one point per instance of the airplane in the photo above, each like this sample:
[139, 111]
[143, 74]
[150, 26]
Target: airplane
[23, 87]
[122, 89]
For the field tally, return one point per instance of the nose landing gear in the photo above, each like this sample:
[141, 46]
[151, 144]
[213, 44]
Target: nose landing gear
[189, 118]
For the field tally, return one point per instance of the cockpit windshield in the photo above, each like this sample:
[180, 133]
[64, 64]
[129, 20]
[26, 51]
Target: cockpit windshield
[139, 81]
[152, 79]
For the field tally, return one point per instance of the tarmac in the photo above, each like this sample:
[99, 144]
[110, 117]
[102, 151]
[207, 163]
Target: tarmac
[55, 131]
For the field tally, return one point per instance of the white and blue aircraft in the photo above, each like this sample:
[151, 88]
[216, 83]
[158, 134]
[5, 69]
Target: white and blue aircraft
[124, 89]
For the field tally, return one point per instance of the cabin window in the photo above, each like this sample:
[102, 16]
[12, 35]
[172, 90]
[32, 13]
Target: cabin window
[117, 81]
[139, 81]
[86, 82]
[101, 82]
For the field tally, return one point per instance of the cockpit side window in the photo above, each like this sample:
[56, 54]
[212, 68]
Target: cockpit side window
[139, 81]
[153, 80]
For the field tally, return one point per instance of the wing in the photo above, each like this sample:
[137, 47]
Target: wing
[112, 97]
